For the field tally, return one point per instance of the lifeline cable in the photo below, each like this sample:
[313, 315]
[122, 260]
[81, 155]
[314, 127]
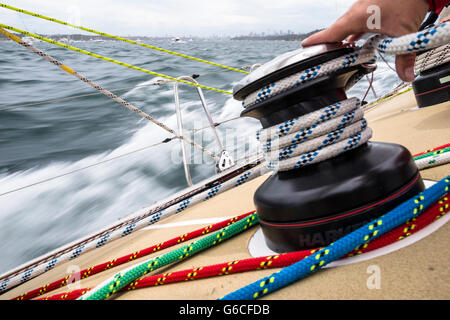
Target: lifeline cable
[85, 273]
[123, 278]
[109, 59]
[117, 38]
[408, 210]
[104, 91]
[86, 167]
[6, 108]
[436, 211]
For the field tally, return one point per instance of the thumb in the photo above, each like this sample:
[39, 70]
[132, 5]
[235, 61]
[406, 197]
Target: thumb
[404, 65]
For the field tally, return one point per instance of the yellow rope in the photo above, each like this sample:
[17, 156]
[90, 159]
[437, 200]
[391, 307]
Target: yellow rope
[109, 59]
[117, 38]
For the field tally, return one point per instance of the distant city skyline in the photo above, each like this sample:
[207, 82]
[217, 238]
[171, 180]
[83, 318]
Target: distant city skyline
[200, 18]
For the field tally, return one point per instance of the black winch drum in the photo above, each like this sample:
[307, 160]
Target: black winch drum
[433, 86]
[315, 205]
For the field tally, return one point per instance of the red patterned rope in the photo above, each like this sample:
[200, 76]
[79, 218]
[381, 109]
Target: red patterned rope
[276, 261]
[431, 150]
[83, 274]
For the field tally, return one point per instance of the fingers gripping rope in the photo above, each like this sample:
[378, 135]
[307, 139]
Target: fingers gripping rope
[408, 210]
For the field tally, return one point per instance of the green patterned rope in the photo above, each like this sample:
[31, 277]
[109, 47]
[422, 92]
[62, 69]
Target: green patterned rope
[109, 287]
[433, 153]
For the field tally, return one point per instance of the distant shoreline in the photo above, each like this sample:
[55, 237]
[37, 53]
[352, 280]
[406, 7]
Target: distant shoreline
[252, 37]
[286, 37]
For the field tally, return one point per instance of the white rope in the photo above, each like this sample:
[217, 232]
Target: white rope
[317, 136]
[433, 161]
[432, 58]
[340, 127]
[332, 137]
[429, 38]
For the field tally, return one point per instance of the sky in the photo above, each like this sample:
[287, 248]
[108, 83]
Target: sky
[202, 18]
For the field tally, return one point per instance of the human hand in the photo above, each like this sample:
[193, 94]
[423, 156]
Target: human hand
[397, 18]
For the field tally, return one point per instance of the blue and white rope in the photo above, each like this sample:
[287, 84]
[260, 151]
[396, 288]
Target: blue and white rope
[331, 134]
[316, 143]
[429, 38]
[408, 210]
[363, 56]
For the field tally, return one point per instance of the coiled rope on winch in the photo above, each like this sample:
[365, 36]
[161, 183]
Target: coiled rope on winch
[441, 208]
[2, 5]
[337, 128]
[420, 41]
[317, 136]
[432, 58]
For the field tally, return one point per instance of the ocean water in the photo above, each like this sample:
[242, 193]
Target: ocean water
[57, 182]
